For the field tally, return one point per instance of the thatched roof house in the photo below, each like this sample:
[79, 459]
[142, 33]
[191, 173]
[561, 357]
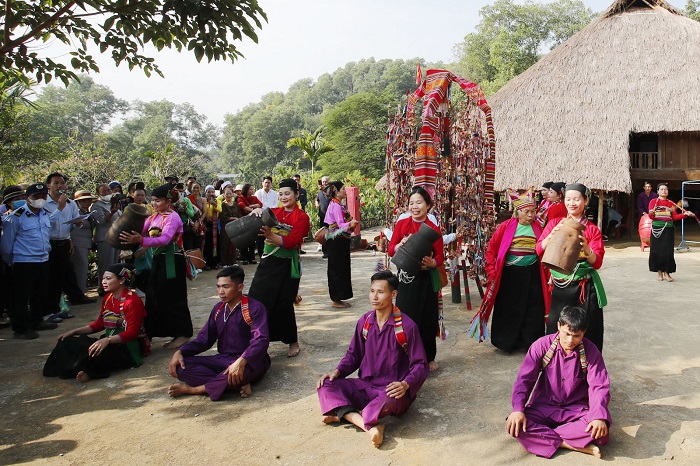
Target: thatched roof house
[620, 96]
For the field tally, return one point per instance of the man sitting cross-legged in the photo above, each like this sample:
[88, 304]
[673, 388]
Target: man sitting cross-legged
[569, 407]
[239, 326]
[388, 351]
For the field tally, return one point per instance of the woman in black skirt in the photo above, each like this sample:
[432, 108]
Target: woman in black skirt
[276, 279]
[340, 224]
[418, 295]
[123, 343]
[166, 294]
[517, 289]
[662, 213]
[583, 287]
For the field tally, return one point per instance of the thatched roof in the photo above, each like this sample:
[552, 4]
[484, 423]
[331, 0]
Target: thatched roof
[569, 117]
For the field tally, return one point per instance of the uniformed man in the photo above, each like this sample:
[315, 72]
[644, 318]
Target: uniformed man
[61, 272]
[25, 249]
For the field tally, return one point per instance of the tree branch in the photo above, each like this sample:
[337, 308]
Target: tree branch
[9, 45]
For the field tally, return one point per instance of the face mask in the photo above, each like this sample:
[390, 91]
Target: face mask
[106, 198]
[36, 203]
[18, 204]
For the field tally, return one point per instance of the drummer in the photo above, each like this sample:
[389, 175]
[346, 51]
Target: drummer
[583, 287]
[644, 198]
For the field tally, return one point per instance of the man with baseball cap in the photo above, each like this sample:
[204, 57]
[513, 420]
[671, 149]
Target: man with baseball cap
[25, 249]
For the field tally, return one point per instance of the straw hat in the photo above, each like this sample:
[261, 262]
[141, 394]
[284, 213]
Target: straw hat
[83, 194]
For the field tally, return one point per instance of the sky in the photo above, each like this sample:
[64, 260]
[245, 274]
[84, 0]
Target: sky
[302, 39]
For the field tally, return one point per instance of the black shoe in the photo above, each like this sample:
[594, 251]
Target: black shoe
[46, 326]
[83, 300]
[28, 335]
[54, 319]
[325, 256]
[301, 251]
[253, 262]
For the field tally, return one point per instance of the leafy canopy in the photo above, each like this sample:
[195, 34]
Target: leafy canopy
[207, 28]
[511, 37]
[313, 145]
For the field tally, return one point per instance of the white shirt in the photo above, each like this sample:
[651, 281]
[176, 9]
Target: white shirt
[268, 199]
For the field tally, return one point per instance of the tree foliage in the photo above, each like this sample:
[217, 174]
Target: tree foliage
[16, 143]
[70, 129]
[207, 28]
[692, 9]
[254, 139]
[357, 128]
[511, 37]
[312, 145]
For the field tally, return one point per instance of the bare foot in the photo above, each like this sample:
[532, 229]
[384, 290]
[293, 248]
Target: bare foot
[180, 389]
[668, 277]
[246, 391]
[589, 449]
[433, 366]
[298, 299]
[82, 377]
[331, 420]
[377, 434]
[340, 304]
[175, 343]
[660, 277]
[293, 350]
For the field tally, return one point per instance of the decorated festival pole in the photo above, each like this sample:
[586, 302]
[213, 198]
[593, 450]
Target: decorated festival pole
[456, 292]
[466, 285]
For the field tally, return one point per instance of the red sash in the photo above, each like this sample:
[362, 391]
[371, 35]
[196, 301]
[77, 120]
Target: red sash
[244, 310]
[398, 329]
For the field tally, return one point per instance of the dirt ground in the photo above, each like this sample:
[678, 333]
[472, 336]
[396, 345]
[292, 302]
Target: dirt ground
[650, 349]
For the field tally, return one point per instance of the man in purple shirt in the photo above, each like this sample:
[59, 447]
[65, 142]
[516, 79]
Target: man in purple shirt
[389, 354]
[238, 325]
[564, 376]
[644, 198]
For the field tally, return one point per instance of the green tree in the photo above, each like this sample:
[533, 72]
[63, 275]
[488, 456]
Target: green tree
[254, 139]
[16, 144]
[511, 37]
[312, 145]
[692, 9]
[207, 28]
[357, 129]
[83, 109]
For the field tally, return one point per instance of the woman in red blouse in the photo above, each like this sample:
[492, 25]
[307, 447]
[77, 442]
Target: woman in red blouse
[663, 212]
[276, 281]
[583, 287]
[418, 297]
[122, 344]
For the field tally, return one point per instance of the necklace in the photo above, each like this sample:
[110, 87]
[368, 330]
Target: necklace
[286, 213]
[230, 311]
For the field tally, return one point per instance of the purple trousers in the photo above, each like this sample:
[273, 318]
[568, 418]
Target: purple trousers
[548, 427]
[371, 401]
[209, 371]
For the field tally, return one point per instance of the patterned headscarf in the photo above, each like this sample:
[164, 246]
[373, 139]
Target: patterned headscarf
[522, 201]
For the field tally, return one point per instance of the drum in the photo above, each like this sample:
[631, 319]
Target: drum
[410, 256]
[243, 231]
[564, 247]
[132, 219]
[645, 229]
